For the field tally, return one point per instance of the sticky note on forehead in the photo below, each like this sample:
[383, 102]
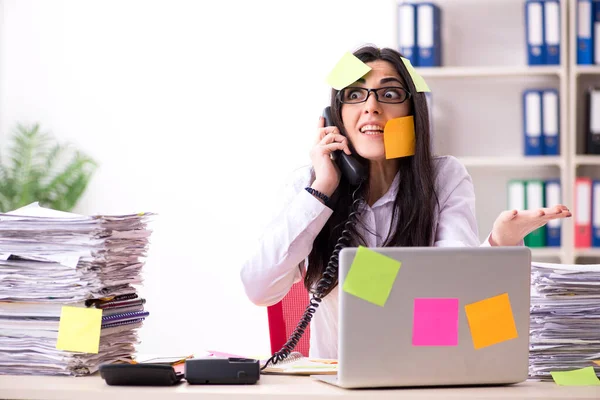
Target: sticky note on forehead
[348, 70]
[418, 80]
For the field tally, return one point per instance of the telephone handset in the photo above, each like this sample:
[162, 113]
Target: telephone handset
[353, 170]
[355, 173]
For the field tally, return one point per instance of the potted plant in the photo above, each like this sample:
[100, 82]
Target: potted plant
[37, 168]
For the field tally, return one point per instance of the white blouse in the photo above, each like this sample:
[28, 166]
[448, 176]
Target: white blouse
[282, 252]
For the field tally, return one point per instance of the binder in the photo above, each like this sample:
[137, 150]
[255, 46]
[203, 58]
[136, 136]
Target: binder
[583, 211]
[596, 213]
[428, 35]
[407, 32]
[534, 28]
[596, 31]
[585, 40]
[553, 197]
[552, 31]
[532, 122]
[593, 122]
[534, 199]
[516, 195]
[550, 122]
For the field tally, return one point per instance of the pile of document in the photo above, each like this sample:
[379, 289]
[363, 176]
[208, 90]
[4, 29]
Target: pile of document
[565, 318]
[50, 259]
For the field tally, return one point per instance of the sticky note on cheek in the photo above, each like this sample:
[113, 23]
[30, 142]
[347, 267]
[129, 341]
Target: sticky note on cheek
[371, 276]
[79, 329]
[491, 321]
[399, 137]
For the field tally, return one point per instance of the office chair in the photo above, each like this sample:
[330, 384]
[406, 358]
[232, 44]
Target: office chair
[284, 317]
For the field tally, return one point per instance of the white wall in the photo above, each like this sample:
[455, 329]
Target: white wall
[196, 110]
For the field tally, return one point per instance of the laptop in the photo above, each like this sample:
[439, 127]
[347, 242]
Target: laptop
[413, 340]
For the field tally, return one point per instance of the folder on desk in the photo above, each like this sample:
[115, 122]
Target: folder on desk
[532, 122]
[584, 26]
[534, 28]
[552, 31]
[428, 35]
[550, 122]
[583, 210]
[593, 121]
[553, 197]
[534, 199]
[596, 213]
[407, 32]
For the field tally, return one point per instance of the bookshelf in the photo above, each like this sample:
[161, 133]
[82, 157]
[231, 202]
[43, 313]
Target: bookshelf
[477, 106]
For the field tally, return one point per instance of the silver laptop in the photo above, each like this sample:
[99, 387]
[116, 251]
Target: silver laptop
[397, 344]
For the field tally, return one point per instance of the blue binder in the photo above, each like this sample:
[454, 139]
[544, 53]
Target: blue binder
[407, 32]
[595, 31]
[552, 31]
[596, 213]
[532, 122]
[550, 122]
[584, 28]
[429, 41]
[553, 196]
[534, 28]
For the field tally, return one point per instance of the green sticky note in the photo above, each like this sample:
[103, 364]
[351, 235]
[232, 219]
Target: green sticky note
[348, 70]
[418, 80]
[579, 377]
[79, 329]
[371, 276]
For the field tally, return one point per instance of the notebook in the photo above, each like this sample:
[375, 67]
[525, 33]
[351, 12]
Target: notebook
[297, 364]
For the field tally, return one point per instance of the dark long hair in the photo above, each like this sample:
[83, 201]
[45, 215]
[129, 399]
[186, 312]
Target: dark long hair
[416, 201]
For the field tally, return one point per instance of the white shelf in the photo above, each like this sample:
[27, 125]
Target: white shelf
[586, 160]
[512, 162]
[586, 69]
[589, 252]
[470, 72]
[546, 252]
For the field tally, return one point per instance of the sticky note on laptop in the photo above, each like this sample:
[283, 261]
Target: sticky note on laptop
[371, 276]
[435, 322]
[491, 321]
[79, 329]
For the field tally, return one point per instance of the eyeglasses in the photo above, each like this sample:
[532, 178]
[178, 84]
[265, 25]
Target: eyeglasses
[390, 95]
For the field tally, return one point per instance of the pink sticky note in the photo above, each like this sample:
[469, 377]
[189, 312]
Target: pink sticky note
[435, 322]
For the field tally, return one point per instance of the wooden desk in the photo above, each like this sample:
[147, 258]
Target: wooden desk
[269, 387]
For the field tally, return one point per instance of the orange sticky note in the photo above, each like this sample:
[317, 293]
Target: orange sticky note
[399, 137]
[491, 321]
[597, 362]
[79, 329]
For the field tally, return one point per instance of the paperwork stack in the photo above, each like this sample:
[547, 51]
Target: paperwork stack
[51, 259]
[565, 318]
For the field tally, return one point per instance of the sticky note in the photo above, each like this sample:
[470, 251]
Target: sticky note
[371, 276]
[579, 377]
[418, 80]
[435, 322]
[491, 321]
[597, 362]
[399, 137]
[347, 71]
[79, 329]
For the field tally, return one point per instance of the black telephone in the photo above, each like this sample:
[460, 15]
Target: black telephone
[356, 174]
[353, 170]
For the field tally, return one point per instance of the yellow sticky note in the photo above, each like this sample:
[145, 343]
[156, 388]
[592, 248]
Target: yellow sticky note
[79, 329]
[399, 137]
[371, 276]
[347, 71]
[579, 377]
[491, 321]
[418, 80]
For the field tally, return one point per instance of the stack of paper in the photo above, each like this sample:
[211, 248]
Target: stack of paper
[67, 300]
[565, 318]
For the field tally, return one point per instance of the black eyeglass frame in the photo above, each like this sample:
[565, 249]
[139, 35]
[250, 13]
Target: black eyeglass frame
[374, 91]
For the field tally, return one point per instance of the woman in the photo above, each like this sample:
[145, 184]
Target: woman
[416, 200]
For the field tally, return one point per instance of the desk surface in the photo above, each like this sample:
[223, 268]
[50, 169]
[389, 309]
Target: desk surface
[270, 387]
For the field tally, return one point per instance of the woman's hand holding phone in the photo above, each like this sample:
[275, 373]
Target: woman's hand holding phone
[327, 173]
